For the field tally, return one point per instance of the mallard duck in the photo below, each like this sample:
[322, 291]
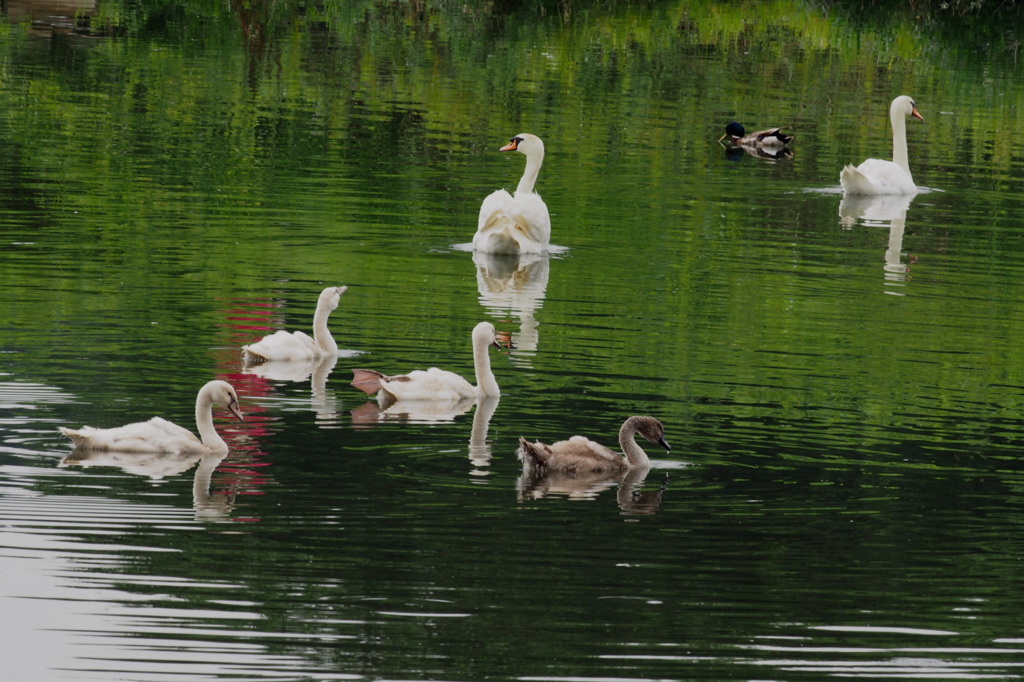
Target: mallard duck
[582, 455]
[877, 176]
[516, 223]
[737, 136]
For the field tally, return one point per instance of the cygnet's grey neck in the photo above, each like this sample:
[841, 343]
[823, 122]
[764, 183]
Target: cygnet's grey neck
[634, 453]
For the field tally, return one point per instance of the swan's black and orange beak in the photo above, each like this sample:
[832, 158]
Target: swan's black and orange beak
[916, 114]
[512, 145]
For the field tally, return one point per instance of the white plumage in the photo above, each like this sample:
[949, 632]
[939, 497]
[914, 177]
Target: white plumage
[877, 176]
[516, 223]
[290, 346]
[436, 384]
[161, 436]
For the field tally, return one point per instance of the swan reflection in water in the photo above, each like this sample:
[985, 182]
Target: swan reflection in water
[323, 402]
[514, 286]
[535, 484]
[439, 411]
[158, 466]
[882, 210]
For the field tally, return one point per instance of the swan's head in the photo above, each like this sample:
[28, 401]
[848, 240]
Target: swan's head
[484, 335]
[651, 429]
[223, 393]
[525, 143]
[734, 129]
[330, 296]
[905, 106]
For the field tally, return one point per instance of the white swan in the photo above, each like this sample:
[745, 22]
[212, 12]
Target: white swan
[876, 176]
[582, 455]
[282, 345]
[520, 223]
[436, 384]
[160, 435]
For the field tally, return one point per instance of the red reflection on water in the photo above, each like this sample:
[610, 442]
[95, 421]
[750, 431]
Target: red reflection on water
[244, 471]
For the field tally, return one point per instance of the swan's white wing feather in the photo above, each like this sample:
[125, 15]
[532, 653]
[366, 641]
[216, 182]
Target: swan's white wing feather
[508, 224]
[876, 176]
[496, 203]
[283, 345]
[536, 221]
[431, 384]
[155, 435]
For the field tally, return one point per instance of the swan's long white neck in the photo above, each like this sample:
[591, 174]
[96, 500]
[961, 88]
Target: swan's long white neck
[534, 159]
[321, 334]
[899, 139]
[486, 384]
[204, 422]
[634, 453]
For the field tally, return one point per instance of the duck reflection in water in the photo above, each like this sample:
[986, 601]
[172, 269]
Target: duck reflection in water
[514, 286]
[882, 210]
[323, 402]
[581, 468]
[776, 154]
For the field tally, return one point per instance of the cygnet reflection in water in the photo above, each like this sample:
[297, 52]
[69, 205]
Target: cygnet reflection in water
[158, 466]
[433, 412]
[535, 483]
[414, 411]
[323, 402]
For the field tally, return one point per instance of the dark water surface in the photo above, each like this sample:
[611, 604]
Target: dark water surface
[842, 382]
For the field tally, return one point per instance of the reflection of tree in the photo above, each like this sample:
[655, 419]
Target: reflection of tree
[254, 18]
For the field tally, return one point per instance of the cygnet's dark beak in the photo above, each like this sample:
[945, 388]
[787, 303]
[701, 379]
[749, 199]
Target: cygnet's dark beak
[233, 406]
[664, 443]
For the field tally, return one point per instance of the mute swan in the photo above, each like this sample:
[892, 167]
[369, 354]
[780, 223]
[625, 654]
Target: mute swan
[876, 176]
[520, 223]
[436, 384]
[582, 455]
[773, 137]
[282, 345]
[160, 435]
